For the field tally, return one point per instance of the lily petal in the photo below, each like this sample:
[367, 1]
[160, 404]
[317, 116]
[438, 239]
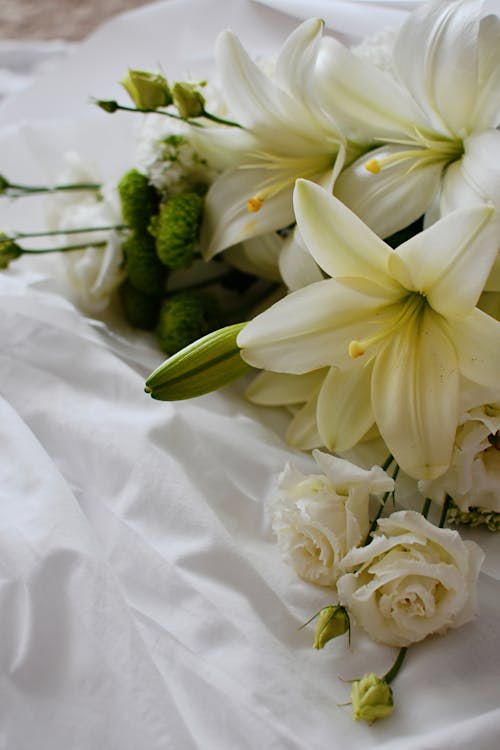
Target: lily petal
[302, 432]
[476, 177]
[344, 407]
[282, 389]
[309, 329]
[392, 199]
[487, 110]
[367, 102]
[339, 241]
[450, 261]
[415, 389]
[297, 266]
[477, 342]
[258, 255]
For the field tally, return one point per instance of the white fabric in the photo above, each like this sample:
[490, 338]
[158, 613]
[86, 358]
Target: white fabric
[143, 603]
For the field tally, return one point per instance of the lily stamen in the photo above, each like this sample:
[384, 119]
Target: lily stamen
[431, 151]
[412, 308]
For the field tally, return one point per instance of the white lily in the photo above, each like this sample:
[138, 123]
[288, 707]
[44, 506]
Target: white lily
[395, 327]
[287, 135]
[447, 62]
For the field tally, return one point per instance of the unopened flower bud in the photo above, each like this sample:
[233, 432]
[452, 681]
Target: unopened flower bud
[332, 622]
[188, 100]
[147, 90]
[4, 185]
[205, 365]
[107, 105]
[176, 229]
[371, 698]
[139, 200]
[9, 250]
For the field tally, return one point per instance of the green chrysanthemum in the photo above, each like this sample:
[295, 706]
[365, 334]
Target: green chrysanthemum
[145, 272]
[139, 200]
[184, 317]
[176, 229]
[141, 310]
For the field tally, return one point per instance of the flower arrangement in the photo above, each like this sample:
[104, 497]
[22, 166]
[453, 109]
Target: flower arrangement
[331, 218]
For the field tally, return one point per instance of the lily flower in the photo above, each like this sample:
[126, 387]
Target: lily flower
[447, 66]
[395, 328]
[287, 134]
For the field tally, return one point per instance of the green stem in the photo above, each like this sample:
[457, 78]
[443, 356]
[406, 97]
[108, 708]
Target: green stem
[444, 513]
[123, 108]
[388, 461]
[24, 235]
[13, 190]
[221, 120]
[393, 671]
[426, 507]
[385, 498]
[64, 249]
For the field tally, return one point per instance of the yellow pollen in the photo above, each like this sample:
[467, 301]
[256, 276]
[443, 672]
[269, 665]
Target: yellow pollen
[254, 204]
[373, 166]
[355, 350]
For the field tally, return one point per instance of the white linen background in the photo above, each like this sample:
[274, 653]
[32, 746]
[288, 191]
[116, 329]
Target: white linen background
[143, 602]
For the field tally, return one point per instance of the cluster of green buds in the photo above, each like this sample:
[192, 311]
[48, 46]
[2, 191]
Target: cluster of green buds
[474, 516]
[151, 92]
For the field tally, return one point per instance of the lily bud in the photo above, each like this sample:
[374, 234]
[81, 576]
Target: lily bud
[147, 90]
[9, 250]
[332, 622]
[176, 229]
[371, 698]
[204, 366]
[188, 100]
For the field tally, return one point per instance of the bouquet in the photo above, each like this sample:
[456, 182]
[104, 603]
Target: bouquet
[329, 218]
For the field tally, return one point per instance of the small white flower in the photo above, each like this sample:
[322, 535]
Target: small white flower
[414, 579]
[473, 479]
[320, 517]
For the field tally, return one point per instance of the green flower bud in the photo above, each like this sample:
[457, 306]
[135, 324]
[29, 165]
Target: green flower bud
[188, 100]
[9, 250]
[205, 365]
[4, 185]
[147, 90]
[139, 200]
[371, 698]
[144, 270]
[108, 106]
[332, 622]
[176, 229]
[183, 319]
[141, 310]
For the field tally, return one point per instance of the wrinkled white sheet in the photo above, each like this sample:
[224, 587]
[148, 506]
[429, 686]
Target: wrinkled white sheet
[143, 602]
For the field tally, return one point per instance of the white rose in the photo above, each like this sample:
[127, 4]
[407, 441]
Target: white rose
[412, 580]
[473, 479]
[319, 518]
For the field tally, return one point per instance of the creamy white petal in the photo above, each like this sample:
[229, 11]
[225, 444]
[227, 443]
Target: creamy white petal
[226, 218]
[344, 407]
[258, 255]
[415, 388]
[310, 328]
[477, 342]
[476, 177]
[297, 266]
[436, 58]
[368, 102]
[487, 109]
[395, 197]
[337, 239]
[450, 261]
[280, 389]
[297, 59]
[302, 431]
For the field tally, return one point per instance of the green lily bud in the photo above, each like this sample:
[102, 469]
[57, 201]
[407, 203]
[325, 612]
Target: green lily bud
[371, 698]
[9, 250]
[147, 90]
[188, 100]
[332, 622]
[107, 105]
[176, 229]
[141, 310]
[139, 200]
[144, 270]
[205, 365]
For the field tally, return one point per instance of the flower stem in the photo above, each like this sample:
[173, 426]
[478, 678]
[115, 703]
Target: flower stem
[220, 120]
[426, 507]
[444, 513]
[24, 235]
[14, 190]
[388, 461]
[64, 249]
[113, 106]
[393, 671]
[385, 498]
